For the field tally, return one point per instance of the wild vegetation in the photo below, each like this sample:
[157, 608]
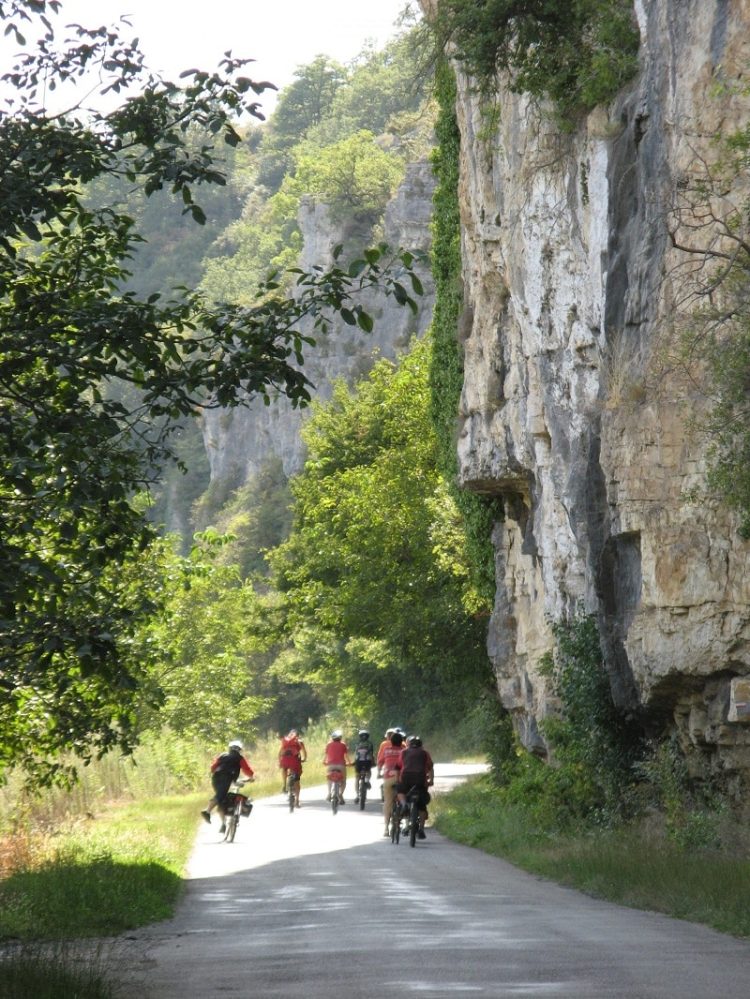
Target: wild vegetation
[357, 592]
[575, 54]
[712, 322]
[91, 375]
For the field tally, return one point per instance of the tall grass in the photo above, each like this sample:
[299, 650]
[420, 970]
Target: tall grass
[59, 972]
[636, 865]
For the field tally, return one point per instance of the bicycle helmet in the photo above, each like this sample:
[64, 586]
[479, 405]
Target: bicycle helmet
[235, 744]
[364, 734]
[336, 735]
[389, 732]
[414, 741]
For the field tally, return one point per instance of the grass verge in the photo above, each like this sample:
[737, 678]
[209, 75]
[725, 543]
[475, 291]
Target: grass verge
[101, 877]
[52, 973]
[637, 865]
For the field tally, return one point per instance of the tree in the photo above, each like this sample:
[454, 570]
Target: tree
[354, 176]
[92, 378]
[301, 106]
[375, 576]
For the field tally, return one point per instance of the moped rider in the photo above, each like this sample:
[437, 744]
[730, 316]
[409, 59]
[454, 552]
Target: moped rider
[225, 769]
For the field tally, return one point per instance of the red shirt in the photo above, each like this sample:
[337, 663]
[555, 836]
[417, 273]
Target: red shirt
[389, 760]
[336, 753]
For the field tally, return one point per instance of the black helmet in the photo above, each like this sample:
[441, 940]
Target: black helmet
[414, 741]
[364, 734]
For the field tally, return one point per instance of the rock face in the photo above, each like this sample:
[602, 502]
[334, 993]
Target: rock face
[241, 441]
[569, 410]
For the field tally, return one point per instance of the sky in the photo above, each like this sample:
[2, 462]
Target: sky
[279, 35]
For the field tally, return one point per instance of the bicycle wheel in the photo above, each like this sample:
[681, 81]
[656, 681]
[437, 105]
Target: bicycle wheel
[395, 825]
[413, 823]
[334, 796]
[232, 821]
[290, 784]
[362, 792]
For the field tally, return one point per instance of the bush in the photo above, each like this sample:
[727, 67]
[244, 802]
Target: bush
[576, 53]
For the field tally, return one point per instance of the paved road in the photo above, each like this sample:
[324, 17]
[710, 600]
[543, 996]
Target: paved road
[314, 905]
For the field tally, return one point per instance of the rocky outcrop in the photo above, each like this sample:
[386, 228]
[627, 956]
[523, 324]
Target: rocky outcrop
[239, 442]
[569, 409]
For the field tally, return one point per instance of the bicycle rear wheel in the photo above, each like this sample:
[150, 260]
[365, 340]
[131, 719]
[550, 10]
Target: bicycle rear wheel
[395, 825]
[232, 822]
[290, 787]
[413, 823]
[362, 792]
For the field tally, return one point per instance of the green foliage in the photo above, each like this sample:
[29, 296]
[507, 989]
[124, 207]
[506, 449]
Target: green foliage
[591, 742]
[375, 571]
[479, 513]
[383, 91]
[354, 176]
[577, 53]
[209, 649]
[708, 226]
[593, 749]
[258, 517]
[302, 105]
[91, 377]
[104, 877]
[693, 811]
[33, 972]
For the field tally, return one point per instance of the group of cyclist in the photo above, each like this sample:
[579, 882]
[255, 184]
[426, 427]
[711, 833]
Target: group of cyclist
[402, 762]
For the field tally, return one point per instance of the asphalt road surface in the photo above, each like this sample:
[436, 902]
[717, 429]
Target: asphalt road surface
[316, 905]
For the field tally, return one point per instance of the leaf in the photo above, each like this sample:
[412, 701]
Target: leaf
[365, 321]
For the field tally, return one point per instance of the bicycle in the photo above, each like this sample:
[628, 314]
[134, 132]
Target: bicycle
[236, 804]
[361, 789]
[395, 821]
[292, 788]
[412, 814]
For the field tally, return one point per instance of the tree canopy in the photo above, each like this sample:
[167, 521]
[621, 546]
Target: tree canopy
[378, 600]
[91, 376]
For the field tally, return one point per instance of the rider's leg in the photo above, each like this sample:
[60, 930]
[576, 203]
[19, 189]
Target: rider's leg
[388, 796]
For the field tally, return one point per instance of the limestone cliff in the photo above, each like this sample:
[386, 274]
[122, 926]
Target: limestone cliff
[241, 441]
[568, 408]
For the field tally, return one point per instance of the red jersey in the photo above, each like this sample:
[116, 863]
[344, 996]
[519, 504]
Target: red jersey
[336, 753]
[389, 760]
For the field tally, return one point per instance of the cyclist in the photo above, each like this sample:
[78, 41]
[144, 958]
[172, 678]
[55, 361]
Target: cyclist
[225, 769]
[336, 757]
[417, 770]
[389, 768]
[292, 755]
[364, 757]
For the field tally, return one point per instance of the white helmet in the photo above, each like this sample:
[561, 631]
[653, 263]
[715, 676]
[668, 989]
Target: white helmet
[235, 744]
[337, 734]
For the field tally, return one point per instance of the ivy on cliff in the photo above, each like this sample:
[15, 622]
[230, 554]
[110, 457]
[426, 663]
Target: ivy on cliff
[446, 374]
[576, 53]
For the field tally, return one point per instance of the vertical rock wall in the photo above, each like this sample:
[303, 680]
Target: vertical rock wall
[569, 409]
